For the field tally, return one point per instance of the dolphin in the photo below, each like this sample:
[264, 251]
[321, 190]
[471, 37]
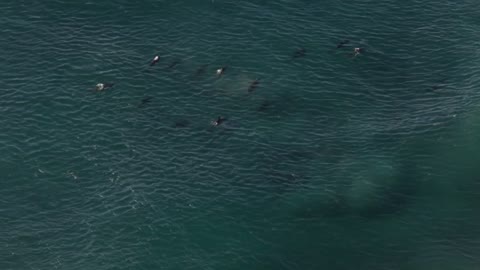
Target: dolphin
[181, 124]
[174, 64]
[342, 43]
[201, 70]
[144, 101]
[219, 121]
[253, 85]
[299, 53]
[103, 86]
[155, 60]
[221, 70]
[264, 106]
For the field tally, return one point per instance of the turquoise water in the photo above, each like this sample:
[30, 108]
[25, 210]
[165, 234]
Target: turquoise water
[333, 162]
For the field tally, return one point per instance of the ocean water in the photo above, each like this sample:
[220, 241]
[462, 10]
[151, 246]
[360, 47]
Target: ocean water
[333, 162]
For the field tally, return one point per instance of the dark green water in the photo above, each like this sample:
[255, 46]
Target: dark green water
[332, 163]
